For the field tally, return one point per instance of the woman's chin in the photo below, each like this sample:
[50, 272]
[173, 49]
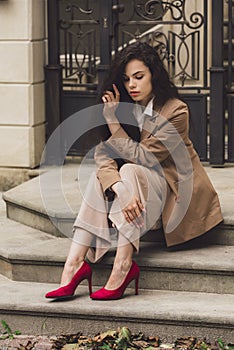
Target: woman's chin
[136, 99]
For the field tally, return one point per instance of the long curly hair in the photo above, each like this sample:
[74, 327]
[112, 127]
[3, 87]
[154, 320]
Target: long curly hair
[163, 88]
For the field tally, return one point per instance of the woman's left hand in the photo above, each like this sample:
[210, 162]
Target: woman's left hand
[133, 212]
[111, 102]
[130, 204]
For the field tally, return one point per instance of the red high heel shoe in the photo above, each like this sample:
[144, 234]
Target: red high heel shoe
[83, 273]
[106, 294]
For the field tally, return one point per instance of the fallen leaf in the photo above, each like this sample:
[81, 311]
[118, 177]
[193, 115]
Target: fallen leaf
[185, 343]
[167, 346]
[28, 346]
[142, 344]
[71, 347]
[125, 333]
[100, 337]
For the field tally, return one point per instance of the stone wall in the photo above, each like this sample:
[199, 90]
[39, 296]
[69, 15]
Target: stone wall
[22, 95]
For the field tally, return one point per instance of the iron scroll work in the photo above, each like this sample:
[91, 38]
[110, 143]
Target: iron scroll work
[169, 26]
[179, 48]
[78, 48]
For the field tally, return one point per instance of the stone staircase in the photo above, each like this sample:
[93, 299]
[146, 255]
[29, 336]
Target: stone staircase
[188, 290]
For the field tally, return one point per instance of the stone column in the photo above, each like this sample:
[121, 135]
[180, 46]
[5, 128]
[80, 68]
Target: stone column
[22, 100]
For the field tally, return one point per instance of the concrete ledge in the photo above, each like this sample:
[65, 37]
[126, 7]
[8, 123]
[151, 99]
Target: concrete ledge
[155, 312]
[203, 269]
[50, 202]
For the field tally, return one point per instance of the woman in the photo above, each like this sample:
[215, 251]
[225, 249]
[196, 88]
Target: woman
[148, 174]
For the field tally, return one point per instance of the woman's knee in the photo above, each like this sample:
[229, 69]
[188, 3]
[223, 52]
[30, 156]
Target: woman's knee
[129, 169]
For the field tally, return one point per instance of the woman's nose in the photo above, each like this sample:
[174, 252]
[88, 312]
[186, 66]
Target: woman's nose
[132, 83]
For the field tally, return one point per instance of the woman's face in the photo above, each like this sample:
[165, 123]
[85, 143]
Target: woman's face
[137, 81]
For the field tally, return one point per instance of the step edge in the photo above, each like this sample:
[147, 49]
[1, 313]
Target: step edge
[169, 318]
[211, 270]
[41, 211]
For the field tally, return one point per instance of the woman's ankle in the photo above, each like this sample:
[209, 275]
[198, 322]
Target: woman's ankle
[118, 274]
[70, 268]
[123, 265]
[74, 263]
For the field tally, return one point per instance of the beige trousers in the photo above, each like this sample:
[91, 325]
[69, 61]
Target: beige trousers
[97, 212]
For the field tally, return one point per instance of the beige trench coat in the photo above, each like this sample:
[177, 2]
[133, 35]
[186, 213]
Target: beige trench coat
[192, 206]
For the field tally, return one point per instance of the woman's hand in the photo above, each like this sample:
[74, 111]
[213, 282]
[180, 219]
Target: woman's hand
[130, 204]
[111, 102]
[133, 212]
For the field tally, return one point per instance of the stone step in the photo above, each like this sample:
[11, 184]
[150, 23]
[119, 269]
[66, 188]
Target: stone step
[27, 254]
[167, 314]
[46, 203]
[51, 201]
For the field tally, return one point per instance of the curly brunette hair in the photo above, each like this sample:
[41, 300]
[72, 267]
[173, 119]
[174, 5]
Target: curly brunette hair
[163, 88]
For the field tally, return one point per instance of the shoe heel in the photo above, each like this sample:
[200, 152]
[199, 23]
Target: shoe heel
[136, 285]
[90, 284]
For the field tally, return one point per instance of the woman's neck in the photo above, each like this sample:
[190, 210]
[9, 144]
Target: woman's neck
[145, 101]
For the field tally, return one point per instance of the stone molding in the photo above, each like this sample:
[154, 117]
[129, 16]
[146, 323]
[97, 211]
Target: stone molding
[22, 95]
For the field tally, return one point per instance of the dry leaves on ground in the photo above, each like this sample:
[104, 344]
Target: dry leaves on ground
[123, 339]
[120, 339]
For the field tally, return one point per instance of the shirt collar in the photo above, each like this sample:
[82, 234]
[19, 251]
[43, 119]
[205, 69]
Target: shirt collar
[149, 110]
[141, 112]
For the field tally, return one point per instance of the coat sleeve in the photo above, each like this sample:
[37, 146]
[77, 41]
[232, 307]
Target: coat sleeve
[164, 136]
[168, 133]
[107, 167]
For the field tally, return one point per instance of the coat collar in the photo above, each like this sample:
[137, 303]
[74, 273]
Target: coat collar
[151, 113]
[142, 113]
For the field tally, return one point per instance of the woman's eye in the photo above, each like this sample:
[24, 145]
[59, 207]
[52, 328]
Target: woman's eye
[139, 77]
[125, 79]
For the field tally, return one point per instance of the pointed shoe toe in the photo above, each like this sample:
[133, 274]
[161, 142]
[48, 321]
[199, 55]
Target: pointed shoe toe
[61, 292]
[85, 272]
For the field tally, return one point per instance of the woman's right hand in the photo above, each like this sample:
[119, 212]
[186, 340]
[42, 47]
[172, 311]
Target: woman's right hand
[111, 102]
[130, 204]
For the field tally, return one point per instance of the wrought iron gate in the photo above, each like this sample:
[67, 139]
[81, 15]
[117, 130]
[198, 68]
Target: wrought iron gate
[84, 34]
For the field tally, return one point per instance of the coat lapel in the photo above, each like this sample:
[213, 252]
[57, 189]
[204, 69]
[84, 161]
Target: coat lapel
[149, 126]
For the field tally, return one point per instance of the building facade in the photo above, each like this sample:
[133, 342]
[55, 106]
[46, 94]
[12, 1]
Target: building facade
[25, 60]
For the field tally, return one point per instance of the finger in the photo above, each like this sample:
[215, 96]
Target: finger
[134, 220]
[130, 218]
[138, 223]
[133, 215]
[138, 216]
[127, 217]
[110, 95]
[117, 94]
[137, 207]
[104, 99]
[136, 210]
[140, 205]
[130, 214]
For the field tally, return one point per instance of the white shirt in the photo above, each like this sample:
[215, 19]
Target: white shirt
[141, 112]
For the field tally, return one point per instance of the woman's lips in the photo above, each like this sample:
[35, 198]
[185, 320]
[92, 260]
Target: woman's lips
[134, 93]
